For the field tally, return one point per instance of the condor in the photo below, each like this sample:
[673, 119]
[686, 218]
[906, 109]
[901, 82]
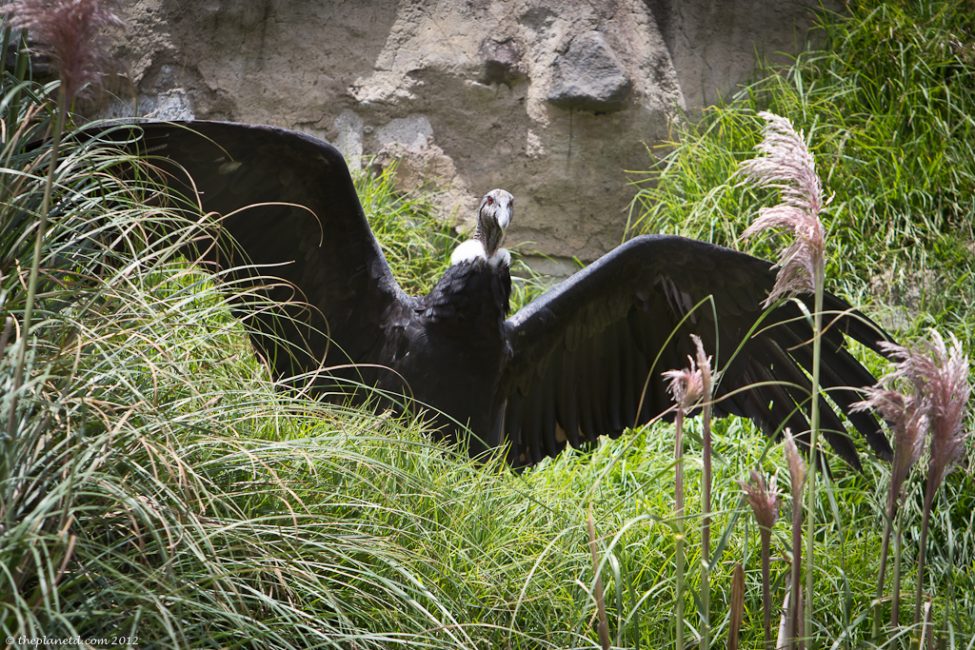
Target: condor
[583, 360]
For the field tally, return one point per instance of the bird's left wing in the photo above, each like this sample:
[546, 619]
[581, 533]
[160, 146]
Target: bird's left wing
[287, 210]
[587, 356]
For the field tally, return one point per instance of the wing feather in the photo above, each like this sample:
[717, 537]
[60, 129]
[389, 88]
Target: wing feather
[587, 356]
[287, 208]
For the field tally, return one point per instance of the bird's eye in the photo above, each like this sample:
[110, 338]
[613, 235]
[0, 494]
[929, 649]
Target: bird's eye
[489, 200]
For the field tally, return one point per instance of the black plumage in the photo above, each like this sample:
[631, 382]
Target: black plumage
[583, 360]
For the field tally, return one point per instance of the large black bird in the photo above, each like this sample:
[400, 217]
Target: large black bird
[583, 360]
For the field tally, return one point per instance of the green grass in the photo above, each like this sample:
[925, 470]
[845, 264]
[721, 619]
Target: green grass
[158, 485]
[888, 107]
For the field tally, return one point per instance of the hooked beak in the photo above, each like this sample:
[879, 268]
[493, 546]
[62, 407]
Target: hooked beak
[503, 215]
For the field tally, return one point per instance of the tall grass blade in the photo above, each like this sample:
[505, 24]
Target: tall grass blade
[603, 628]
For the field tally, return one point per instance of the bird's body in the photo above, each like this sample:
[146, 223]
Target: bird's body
[583, 360]
[449, 350]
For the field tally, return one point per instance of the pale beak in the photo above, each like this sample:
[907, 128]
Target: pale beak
[503, 215]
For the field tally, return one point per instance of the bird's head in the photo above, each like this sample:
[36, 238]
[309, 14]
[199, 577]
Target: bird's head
[493, 217]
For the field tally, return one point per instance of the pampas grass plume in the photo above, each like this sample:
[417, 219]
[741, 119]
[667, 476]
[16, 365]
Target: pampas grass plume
[71, 32]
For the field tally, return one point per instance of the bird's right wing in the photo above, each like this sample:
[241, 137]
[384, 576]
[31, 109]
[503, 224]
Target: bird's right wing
[587, 356]
[287, 210]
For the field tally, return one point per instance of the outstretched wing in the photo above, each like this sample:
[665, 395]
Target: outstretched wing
[287, 209]
[587, 356]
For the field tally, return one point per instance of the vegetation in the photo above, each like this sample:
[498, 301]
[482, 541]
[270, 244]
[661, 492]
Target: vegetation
[157, 487]
[887, 106]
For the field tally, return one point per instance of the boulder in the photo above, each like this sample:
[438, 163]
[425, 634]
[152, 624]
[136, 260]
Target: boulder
[589, 77]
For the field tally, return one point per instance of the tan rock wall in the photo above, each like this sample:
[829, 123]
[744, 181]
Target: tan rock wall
[551, 100]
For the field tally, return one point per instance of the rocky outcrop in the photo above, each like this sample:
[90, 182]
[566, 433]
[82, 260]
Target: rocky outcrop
[587, 76]
[553, 101]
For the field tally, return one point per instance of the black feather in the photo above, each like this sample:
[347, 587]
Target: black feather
[582, 359]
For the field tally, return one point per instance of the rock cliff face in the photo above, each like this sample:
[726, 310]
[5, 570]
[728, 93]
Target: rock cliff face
[552, 101]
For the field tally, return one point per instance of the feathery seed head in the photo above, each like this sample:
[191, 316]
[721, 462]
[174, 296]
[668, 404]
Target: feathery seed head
[690, 385]
[797, 467]
[787, 165]
[763, 498]
[703, 365]
[909, 423]
[70, 31]
[685, 386]
[940, 371]
[934, 399]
